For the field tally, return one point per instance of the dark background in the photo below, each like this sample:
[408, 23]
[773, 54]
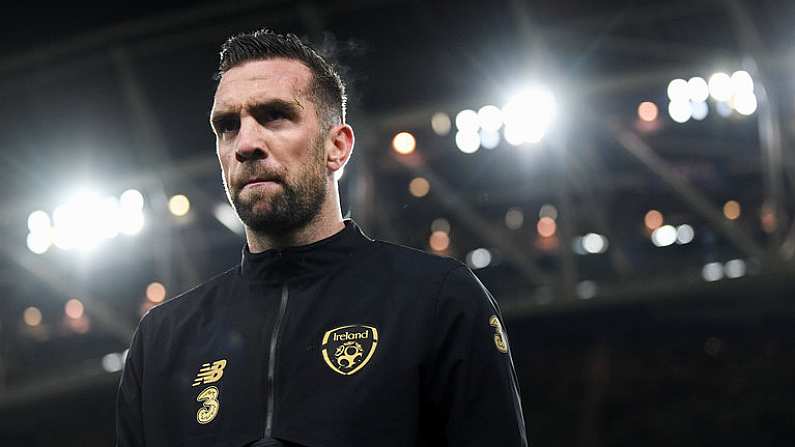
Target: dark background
[118, 97]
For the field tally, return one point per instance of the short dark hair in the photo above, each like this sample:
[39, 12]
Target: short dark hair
[326, 86]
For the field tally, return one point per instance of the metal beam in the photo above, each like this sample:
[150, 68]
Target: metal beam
[494, 235]
[699, 203]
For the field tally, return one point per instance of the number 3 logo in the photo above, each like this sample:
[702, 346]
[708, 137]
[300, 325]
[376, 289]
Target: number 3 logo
[210, 405]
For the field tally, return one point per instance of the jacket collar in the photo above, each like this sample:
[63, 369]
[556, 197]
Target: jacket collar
[283, 264]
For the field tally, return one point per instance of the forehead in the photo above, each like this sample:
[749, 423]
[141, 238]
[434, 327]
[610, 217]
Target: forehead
[273, 78]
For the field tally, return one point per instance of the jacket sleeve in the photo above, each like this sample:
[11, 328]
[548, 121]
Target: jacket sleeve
[473, 382]
[129, 415]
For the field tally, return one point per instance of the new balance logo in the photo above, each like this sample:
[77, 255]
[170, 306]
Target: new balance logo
[210, 372]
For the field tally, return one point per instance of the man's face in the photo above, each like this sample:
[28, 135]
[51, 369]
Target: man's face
[270, 144]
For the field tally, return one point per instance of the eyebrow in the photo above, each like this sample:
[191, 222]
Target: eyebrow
[290, 109]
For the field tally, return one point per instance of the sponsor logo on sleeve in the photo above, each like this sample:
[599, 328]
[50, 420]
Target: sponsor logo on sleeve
[500, 340]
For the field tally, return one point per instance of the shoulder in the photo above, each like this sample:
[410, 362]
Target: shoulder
[410, 261]
[187, 303]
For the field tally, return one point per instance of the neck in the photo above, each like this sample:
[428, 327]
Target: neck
[325, 224]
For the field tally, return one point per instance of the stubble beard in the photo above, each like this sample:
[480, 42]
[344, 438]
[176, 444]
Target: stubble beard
[293, 207]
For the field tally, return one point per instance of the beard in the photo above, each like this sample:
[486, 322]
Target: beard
[295, 205]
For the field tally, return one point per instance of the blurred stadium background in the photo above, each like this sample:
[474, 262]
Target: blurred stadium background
[619, 173]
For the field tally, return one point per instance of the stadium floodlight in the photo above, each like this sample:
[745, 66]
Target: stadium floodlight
[742, 81]
[664, 236]
[697, 89]
[528, 115]
[684, 234]
[680, 111]
[594, 243]
[698, 110]
[720, 87]
[489, 139]
[678, 90]
[131, 199]
[85, 220]
[467, 121]
[467, 142]
[39, 242]
[39, 222]
[479, 258]
[734, 268]
[712, 271]
[490, 118]
[745, 103]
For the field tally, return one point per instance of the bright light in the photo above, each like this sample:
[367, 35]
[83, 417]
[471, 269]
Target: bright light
[720, 87]
[514, 218]
[39, 242]
[742, 82]
[440, 224]
[548, 210]
[546, 227]
[32, 316]
[648, 111]
[479, 258]
[528, 115]
[678, 90]
[490, 118]
[489, 139]
[653, 219]
[419, 187]
[514, 135]
[227, 216]
[112, 362]
[467, 121]
[594, 243]
[440, 123]
[664, 236]
[74, 309]
[39, 222]
[735, 268]
[467, 142]
[131, 199]
[179, 205]
[684, 234]
[745, 103]
[731, 209]
[404, 143]
[85, 220]
[697, 89]
[439, 241]
[680, 111]
[699, 110]
[156, 292]
[131, 222]
[712, 271]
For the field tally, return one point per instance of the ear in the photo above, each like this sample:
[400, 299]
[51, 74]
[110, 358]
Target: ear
[339, 147]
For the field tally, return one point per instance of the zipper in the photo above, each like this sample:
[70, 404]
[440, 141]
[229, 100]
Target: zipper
[272, 360]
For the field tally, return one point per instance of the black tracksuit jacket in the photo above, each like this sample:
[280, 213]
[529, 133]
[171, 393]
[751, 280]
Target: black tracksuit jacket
[347, 342]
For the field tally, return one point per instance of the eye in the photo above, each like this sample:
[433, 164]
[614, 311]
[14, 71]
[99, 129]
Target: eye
[267, 116]
[226, 125]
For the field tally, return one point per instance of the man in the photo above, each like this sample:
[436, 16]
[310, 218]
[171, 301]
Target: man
[321, 336]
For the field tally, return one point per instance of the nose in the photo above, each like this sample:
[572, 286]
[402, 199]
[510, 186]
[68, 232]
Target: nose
[250, 142]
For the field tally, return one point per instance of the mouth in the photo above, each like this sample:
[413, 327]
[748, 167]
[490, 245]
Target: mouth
[260, 182]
